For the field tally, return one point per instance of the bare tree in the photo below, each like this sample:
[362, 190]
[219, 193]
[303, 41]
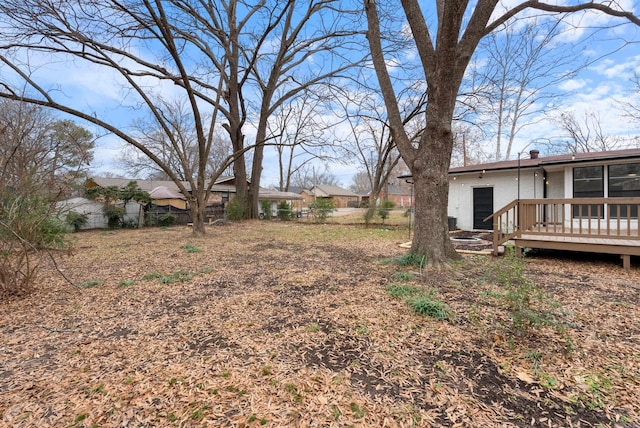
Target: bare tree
[182, 127]
[309, 176]
[468, 145]
[444, 48]
[306, 29]
[214, 55]
[584, 135]
[142, 44]
[632, 109]
[361, 182]
[523, 63]
[372, 144]
[299, 136]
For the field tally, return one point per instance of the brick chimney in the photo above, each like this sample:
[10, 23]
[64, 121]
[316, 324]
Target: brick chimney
[533, 154]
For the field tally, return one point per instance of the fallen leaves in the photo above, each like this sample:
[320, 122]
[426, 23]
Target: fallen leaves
[281, 324]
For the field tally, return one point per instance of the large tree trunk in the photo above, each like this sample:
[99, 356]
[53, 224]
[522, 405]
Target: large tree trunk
[431, 184]
[197, 203]
[254, 189]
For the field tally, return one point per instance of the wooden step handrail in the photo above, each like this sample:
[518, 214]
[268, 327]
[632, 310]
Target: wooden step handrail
[499, 235]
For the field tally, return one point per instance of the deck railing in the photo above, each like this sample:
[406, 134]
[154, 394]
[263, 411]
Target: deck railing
[585, 217]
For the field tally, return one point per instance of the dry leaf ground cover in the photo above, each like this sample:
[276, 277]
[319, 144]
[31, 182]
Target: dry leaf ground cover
[288, 324]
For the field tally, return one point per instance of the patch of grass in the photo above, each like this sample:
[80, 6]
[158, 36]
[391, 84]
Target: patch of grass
[404, 276]
[191, 249]
[362, 330]
[400, 291]
[336, 413]
[90, 284]
[81, 417]
[199, 413]
[430, 306]
[98, 389]
[178, 276]
[410, 259]
[358, 411]
[528, 306]
[152, 276]
[313, 328]
[293, 390]
[548, 381]
[126, 283]
[266, 371]
[172, 417]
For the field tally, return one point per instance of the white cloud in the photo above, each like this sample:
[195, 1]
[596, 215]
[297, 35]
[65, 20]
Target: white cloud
[619, 70]
[572, 84]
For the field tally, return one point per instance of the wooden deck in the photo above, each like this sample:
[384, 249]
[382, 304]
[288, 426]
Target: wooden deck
[596, 225]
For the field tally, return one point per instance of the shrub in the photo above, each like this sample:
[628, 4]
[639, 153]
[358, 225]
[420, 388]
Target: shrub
[265, 207]
[76, 220]
[114, 215]
[321, 208]
[166, 220]
[28, 226]
[528, 306]
[130, 223]
[385, 208]
[285, 211]
[236, 209]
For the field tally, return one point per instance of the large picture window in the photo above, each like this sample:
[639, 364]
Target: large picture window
[624, 182]
[588, 182]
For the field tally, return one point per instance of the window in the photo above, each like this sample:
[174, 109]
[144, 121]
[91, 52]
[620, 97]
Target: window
[588, 182]
[624, 182]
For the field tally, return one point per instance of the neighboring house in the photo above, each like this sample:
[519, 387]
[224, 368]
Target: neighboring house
[477, 191]
[401, 195]
[342, 198]
[275, 197]
[162, 196]
[166, 198]
[300, 203]
[221, 192]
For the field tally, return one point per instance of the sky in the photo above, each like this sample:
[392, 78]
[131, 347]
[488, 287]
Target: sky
[599, 88]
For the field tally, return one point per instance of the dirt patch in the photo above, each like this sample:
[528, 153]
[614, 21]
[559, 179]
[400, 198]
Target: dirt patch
[277, 324]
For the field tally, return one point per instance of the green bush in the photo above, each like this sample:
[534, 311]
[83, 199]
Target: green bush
[76, 220]
[130, 223]
[321, 208]
[285, 210]
[28, 227]
[385, 208]
[114, 215]
[265, 207]
[166, 220]
[150, 219]
[52, 233]
[236, 209]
